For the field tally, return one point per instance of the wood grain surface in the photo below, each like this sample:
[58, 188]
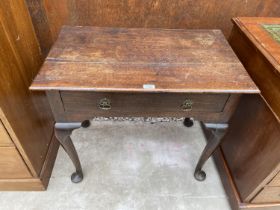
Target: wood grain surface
[275, 181]
[85, 105]
[26, 116]
[75, 106]
[11, 164]
[134, 102]
[232, 191]
[187, 14]
[268, 194]
[262, 39]
[251, 146]
[260, 55]
[41, 24]
[119, 59]
[5, 139]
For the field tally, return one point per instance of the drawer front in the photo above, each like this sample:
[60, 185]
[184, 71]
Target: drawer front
[268, 195]
[11, 164]
[91, 104]
[5, 139]
[275, 181]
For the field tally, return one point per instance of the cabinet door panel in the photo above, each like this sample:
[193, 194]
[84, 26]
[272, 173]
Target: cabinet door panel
[268, 195]
[5, 139]
[12, 165]
[275, 181]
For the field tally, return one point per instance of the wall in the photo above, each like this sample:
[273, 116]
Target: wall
[50, 15]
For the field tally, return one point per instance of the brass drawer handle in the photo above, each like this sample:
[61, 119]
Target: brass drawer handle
[187, 105]
[104, 104]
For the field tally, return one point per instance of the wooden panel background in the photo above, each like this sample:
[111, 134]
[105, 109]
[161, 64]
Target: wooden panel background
[49, 15]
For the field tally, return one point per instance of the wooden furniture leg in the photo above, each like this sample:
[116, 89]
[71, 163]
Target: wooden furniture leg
[214, 134]
[62, 133]
[188, 122]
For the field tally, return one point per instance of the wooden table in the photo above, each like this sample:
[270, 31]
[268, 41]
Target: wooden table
[93, 71]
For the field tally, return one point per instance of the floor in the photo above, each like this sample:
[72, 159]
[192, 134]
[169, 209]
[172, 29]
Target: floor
[129, 165]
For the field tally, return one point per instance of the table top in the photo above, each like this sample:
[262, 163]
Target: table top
[142, 60]
[264, 33]
[262, 37]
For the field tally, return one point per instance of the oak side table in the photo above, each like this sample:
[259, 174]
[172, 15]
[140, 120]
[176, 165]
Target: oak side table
[93, 71]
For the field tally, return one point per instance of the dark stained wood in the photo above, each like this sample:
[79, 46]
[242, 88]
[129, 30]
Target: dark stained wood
[214, 134]
[252, 152]
[48, 165]
[251, 147]
[101, 59]
[67, 107]
[226, 178]
[26, 116]
[229, 108]
[127, 68]
[232, 191]
[261, 38]
[140, 46]
[206, 107]
[139, 103]
[63, 133]
[191, 14]
[41, 23]
[260, 55]
[56, 105]
[60, 13]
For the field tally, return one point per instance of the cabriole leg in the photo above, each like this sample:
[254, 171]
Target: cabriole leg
[62, 133]
[188, 122]
[214, 134]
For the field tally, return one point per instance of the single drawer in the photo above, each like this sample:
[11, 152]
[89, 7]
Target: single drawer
[11, 164]
[268, 195]
[5, 139]
[275, 181]
[141, 104]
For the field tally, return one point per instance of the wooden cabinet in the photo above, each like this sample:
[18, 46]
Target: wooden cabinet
[251, 148]
[268, 194]
[12, 165]
[275, 181]
[5, 139]
[27, 146]
[11, 162]
[251, 152]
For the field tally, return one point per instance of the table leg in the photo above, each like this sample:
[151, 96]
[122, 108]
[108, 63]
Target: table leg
[214, 134]
[188, 122]
[62, 133]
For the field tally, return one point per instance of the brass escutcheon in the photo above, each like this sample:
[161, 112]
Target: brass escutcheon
[104, 104]
[187, 105]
